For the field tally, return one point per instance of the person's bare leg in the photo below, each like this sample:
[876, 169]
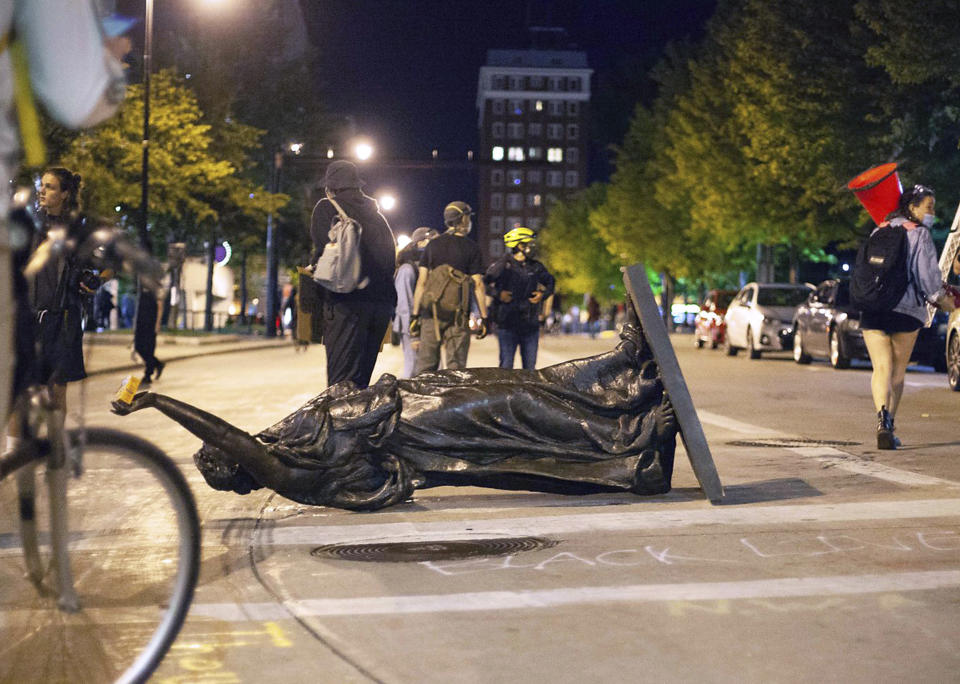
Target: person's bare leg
[880, 350]
[902, 347]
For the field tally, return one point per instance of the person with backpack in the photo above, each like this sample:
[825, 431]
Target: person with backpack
[896, 284]
[519, 285]
[355, 321]
[451, 269]
[408, 263]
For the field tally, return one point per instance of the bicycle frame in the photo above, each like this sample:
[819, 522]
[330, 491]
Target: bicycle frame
[54, 451]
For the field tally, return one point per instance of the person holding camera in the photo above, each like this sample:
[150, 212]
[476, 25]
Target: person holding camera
[59, 292]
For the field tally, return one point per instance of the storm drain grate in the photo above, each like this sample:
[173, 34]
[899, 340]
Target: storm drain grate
[788, 443]
[416, 552]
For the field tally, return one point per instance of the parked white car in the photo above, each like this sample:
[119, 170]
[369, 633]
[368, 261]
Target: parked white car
[760, 317]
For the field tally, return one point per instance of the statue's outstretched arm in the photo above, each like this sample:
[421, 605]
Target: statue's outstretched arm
[216, 432]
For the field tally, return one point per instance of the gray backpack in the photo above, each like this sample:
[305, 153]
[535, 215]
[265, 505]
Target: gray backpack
[338, 268]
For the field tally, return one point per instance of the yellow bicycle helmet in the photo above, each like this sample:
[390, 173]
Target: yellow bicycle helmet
[518, 235]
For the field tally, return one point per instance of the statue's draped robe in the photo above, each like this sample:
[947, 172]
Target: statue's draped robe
[585, 425]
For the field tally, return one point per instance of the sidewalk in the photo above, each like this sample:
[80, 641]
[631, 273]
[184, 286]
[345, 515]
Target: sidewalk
[112, 352]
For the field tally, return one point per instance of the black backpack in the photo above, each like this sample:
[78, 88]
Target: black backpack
[881, 272]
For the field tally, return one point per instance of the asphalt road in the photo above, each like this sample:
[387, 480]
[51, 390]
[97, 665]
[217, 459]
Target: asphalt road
[828, 561]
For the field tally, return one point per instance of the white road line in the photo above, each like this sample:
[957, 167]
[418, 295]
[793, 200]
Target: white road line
[829, 455]
[592, 523]
[789, 587]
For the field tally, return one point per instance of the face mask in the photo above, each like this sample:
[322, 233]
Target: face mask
[928, 220]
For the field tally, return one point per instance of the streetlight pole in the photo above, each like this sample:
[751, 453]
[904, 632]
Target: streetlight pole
[272, 305]
[144, 169]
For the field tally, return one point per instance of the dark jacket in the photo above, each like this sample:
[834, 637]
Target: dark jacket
[377, 245]
[521, 279]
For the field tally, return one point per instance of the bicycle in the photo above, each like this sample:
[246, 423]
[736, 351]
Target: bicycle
[118, 576]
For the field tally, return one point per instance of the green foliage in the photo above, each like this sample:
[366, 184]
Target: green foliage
[574, 251]
[194, 169]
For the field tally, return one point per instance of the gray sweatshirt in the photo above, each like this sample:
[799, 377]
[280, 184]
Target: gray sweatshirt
[925, 285]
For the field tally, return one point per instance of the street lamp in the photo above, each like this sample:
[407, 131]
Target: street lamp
[363, 150]
[387, 202]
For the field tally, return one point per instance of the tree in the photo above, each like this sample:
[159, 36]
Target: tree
[574, 251]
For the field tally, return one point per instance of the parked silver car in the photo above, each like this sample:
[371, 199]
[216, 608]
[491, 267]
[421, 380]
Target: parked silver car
[953, 351]
[760, 317]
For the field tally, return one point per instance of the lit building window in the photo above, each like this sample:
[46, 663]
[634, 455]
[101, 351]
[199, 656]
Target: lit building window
[496, 130]
[535, 130]
[555, 154]
[539, 106]
[497, 153]
[515, 154]
[573, 155]
[496, 200]
[535, 153]
[572, 179]
[533, 200]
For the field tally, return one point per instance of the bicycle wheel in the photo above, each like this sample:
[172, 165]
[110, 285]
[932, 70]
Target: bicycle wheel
[134, 553]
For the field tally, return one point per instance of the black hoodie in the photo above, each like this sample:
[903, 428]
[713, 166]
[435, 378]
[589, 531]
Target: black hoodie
[377, 245]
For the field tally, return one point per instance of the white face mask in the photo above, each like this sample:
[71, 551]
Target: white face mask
[928, 220]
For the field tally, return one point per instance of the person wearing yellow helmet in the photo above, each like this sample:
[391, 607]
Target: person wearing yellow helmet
[520, 288]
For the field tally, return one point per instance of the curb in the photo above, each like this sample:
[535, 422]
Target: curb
[253, 346]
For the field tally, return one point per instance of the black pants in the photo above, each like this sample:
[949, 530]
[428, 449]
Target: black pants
[145, 332]
[352, 334]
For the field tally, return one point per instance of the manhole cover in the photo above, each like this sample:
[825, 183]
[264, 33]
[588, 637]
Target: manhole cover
[787, 443]
[414, 552]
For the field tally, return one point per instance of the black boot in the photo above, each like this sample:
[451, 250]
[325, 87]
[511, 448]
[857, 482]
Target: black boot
[885, 439]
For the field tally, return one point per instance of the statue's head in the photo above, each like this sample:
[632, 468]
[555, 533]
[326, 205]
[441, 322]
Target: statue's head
[223, 473]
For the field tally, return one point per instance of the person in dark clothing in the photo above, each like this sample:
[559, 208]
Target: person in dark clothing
[518, 284]
[354, 323]
[145, 335]
[102, 306]
[456, 250]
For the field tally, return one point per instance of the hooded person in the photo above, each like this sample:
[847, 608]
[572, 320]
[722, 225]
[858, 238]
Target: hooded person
[355, 323]
[408, 262]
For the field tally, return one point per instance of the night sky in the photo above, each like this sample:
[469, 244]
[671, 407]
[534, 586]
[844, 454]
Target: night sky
[406, 71]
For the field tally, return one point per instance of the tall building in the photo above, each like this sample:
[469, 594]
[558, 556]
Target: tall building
[534, 109]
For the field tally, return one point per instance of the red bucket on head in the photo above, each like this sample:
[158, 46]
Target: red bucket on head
[878, 190]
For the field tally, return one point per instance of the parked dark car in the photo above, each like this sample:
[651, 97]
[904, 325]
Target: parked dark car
[709, 326]
[828, 326]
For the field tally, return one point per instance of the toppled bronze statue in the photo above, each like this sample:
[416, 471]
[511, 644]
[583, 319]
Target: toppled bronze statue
[597, 424]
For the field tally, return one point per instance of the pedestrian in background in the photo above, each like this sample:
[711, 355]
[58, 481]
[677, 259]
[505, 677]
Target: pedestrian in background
[518, 284]
[354, 323]
[408, 264]
[145, 330]
[890, 335]
[462, 256]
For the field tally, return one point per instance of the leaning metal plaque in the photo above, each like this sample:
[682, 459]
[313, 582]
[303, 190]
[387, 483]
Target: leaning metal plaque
[695, 442]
